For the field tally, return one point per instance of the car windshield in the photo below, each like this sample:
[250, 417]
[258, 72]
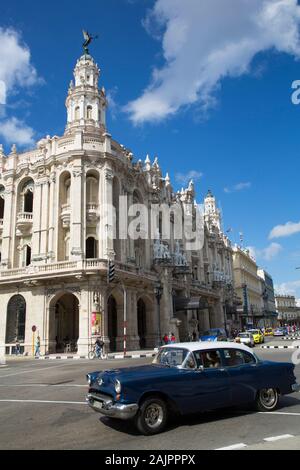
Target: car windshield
[244, 335]
[172, 357]
[254, 332]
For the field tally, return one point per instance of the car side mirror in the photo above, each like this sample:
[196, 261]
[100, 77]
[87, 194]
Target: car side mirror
[200, 368]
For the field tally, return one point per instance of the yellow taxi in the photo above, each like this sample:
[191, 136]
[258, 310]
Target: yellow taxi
[257, 336]
[269, 332]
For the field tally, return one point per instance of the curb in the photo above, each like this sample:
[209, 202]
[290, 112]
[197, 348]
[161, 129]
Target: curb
[113, 357]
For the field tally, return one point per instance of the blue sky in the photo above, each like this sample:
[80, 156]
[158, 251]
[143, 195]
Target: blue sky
[224, 113]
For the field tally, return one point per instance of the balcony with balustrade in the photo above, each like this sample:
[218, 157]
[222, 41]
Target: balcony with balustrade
[71, 269]
[24, 221]
[65, 215]
[92, 213]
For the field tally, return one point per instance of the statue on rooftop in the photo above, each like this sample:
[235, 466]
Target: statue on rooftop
[87, 40]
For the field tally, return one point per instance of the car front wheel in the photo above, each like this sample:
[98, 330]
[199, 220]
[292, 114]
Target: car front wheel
[152, 416]
[267, 399]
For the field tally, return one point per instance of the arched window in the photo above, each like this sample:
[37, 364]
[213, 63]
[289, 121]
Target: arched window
[27, 255]
[89, 112]
[77, 113]
[92, 190]
[16, 318]
[67, 190]
[91, 248]
[28, 201]
[1, 202]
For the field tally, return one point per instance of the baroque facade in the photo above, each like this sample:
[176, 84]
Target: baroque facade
[57, 235]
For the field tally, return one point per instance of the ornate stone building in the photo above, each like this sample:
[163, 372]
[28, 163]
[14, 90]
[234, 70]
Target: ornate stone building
[57, 235]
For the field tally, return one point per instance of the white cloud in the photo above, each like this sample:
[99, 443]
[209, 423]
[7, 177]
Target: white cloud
[15, 131]
[288, 288]
[290, 228]
[184, 178]
[238, 187]
[203, 42]
[15, 67]
[267, 253]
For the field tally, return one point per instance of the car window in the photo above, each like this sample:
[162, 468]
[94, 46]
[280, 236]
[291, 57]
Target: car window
[171, 356]
[237, 357]
[190, 362]
[208, 359]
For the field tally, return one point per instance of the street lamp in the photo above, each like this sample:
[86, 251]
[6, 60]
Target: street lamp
[158, 290]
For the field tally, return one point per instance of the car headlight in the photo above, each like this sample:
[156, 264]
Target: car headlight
[118, 386]
[89, 379]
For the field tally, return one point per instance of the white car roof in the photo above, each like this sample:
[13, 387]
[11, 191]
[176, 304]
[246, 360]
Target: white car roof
[204, 345]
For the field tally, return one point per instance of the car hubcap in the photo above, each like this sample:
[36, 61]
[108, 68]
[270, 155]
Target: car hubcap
[154, 415]
[268, 397]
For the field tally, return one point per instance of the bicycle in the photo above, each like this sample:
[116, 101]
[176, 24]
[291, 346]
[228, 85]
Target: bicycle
[94, 353]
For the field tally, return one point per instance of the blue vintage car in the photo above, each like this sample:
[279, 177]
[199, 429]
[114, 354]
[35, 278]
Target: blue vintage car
[214, 334]
[189, 378]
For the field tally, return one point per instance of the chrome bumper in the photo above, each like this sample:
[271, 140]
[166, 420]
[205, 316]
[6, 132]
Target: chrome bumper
[104, 405]
[296, 387]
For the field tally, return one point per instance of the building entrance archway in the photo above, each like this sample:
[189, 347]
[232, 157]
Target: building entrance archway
[64, 323]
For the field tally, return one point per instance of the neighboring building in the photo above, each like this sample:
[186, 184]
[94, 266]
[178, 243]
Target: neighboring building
[268, 295]
[55, 242]
[248, 287]
[287, 309]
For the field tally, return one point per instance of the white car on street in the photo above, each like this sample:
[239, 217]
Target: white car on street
[245, 338]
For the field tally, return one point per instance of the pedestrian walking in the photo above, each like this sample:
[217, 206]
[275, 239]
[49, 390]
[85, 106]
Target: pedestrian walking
[165, 338]
[173, 338]
[37, 347]
[17, 348]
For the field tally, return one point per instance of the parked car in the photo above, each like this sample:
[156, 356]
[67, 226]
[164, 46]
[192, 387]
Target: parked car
[245, 338]
[257, 336]
[187, 378]
[214, 334]
[269, 332]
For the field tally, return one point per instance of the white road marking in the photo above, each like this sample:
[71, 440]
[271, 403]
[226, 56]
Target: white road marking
[279, 413]
[43, 385]
[278, 438]
[45, 401]
[233, 447]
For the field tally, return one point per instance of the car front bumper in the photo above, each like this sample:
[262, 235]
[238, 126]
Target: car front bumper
[296, 387]
[105, 405]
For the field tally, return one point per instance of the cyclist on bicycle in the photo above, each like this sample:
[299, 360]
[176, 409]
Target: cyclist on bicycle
[99, 347]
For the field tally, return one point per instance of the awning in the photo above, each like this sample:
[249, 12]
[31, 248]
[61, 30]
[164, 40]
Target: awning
[193, 303]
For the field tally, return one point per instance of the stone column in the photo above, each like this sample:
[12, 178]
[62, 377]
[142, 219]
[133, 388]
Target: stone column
[76, 213]
[107, 213]
[133, 339]
[84, 320]
[8, 225]
[3, 318]
[130, 240]
[52, 211]
[44, 220]
[36, 222]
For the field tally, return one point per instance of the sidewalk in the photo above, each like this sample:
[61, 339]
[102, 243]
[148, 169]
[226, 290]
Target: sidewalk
[69, 356]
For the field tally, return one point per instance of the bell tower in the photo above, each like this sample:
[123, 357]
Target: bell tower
[211, 213]
[86, 103]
